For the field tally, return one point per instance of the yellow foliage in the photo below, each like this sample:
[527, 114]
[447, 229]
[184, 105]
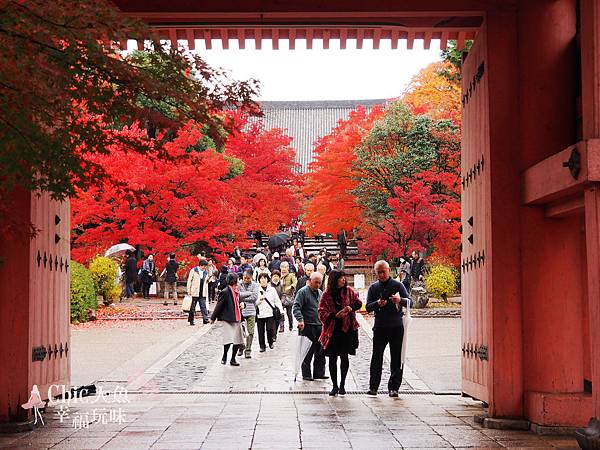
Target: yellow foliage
[432, 93]
[104, 272]
[441, 281]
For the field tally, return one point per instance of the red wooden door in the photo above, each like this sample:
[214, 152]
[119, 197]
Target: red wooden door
[49, 302]
[475, 223]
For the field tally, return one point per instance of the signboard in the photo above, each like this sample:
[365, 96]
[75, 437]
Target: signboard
[359, 281]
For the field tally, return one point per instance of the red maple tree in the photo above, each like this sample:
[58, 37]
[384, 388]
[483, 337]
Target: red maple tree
[196, 199]
[330, 204]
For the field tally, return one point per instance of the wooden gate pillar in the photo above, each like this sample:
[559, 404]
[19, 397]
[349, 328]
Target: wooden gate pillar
[503, 284]
[590, 99]
[492, 324]
[34, 303]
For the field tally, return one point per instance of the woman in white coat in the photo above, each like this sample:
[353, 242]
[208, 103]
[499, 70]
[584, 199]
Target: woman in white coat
[267, 301]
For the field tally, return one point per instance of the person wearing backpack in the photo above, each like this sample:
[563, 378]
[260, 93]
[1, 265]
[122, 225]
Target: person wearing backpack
[197, 287]
[269, 311]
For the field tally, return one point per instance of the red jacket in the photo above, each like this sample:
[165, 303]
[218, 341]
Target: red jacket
[327, 313]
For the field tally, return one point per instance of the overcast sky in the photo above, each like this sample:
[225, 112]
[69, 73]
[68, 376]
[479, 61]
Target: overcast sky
[319, 74]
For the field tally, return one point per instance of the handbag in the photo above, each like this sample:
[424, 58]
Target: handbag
[287, 300]
[276, 311]
[187, 304]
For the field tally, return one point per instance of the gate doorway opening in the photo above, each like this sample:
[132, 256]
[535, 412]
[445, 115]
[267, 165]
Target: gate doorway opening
[530, 344]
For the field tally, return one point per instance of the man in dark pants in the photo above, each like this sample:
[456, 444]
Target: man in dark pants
[131, 271]
[306, 304]
[386, 297]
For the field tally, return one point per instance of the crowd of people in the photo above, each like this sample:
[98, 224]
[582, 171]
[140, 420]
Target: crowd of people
[325, 314]
[266, 293]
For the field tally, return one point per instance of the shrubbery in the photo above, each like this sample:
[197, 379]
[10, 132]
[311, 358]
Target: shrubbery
[83, 292]
[441, 281]
[104, 273]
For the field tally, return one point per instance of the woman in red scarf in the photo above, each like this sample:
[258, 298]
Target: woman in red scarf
[340, 328]
[228, 310]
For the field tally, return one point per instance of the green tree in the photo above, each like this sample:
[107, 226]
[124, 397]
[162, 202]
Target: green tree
[399, 146]
[455, 57]
[64, 85]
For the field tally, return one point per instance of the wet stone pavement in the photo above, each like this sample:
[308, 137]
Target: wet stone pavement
[189, 400]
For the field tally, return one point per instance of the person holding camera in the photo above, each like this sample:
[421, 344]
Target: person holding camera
[386, 297]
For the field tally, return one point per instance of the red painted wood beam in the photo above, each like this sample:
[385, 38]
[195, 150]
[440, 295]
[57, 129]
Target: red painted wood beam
[191, 39]
[460, 41]
[173, 37]
[394, 38]
[343, 38]
[292, 39]
[326, 36]
[360, 34]
[207, 39]
[410, 40]
[548, 180]
[309, 38]
[225, 38]
[241, 36]
[376, 38]
[444, 40]
[258, 38]
[427, 40]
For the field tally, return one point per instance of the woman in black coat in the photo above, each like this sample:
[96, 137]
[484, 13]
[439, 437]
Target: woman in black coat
[229, 310]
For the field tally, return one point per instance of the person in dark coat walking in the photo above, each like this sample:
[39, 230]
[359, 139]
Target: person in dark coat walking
[386, 298]
[339, 337]
[416, 266]
[306, 312]
[229, 310]
[131, 271]
[170, 274]
[342, 242]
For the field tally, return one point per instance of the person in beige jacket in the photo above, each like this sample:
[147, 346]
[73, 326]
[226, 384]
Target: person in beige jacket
[288, 291]
[197, 287]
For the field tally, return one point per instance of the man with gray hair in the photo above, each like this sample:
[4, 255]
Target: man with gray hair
[249, 291]
[308, 270]
[386, 298]
[306, 307]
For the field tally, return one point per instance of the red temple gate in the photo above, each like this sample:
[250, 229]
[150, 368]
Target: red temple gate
[531, 220]
[475, 246]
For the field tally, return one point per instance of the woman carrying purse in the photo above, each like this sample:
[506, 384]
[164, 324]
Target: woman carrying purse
[269, 311]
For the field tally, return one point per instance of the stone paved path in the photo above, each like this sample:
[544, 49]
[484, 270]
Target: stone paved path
[188, 400]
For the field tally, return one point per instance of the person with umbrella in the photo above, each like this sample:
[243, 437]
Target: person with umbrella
[278, 241]
[340, 327]
[386, 298]
[306, 307]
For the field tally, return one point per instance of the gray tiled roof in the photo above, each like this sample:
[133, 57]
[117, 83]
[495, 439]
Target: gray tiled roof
[307, 121]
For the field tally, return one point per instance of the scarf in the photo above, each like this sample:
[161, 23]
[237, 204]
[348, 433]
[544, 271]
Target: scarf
[327, 313]
[236, 304]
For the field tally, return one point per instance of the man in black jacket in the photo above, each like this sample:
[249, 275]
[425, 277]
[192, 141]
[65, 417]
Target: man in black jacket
[130, 274]
[170, 274]
[386, 298]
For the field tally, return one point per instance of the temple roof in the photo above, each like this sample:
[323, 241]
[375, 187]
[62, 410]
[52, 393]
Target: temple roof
[307, 121]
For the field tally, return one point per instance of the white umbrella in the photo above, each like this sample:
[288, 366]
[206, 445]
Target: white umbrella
[118, 249]
[302, 346]
[406, 320]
